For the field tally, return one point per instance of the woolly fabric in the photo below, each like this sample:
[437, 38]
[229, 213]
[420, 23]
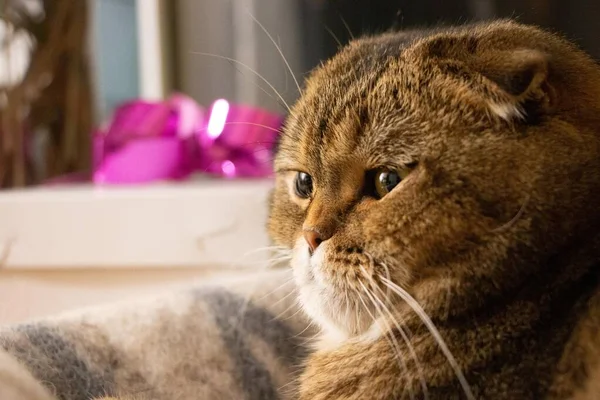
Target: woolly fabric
[242, 339]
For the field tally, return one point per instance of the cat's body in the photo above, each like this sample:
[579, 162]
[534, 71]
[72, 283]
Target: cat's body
[463, 166]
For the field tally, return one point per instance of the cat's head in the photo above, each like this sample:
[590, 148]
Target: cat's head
[451, 161]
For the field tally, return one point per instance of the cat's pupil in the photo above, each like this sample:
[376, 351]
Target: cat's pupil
[386, 182]
[303, 185]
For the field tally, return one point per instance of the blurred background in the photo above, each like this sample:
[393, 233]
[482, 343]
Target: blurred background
[66, 68]
[76, 61]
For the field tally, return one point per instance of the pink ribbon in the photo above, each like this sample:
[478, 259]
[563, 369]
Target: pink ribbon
[170, 140]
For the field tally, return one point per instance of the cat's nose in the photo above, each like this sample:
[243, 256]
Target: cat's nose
[313, 238]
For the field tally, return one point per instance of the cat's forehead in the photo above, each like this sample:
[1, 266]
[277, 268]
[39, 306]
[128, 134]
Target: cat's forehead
[350, 109]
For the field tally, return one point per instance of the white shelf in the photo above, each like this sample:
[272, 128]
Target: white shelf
[192, 224]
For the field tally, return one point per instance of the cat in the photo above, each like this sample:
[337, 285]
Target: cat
[439, 191]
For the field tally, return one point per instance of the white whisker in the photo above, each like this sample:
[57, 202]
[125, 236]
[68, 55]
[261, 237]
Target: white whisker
[389, 277]
[405, 337]
[250, 69]
[347, 27]
[293, 292]
[267, 265]
[278, 49]
[267, 248]
[434, 332]
[311, 339]
[262, 89]
[295, 304]
[310, 325]
[334, 37]
[390, 338]
[251, 124]
[287, 282]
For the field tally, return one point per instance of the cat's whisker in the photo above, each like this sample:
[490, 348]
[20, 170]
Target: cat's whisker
[311, 339]
[448, 299]
[287, 106]
[402, 332]
[286, 282]
[294, 381]
[515, 218]
[267, 265]
[347, 27]
[310, 325]
[339, 43]
[266, 248]
[250, 124]
[284, 298]
[389, 335]
[287, 64]
[262, 89]
[295, 304]
[389, 276]
[404, 295]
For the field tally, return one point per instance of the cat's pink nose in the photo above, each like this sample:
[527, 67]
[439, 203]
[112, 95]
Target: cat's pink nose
[313, 238]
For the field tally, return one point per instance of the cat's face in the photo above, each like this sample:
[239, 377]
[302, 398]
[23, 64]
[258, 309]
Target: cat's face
[444, 165]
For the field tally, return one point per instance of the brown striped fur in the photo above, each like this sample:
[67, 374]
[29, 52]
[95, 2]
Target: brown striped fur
[495, 231]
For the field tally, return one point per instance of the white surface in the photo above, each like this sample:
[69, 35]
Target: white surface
[193, 224]
[26, 295]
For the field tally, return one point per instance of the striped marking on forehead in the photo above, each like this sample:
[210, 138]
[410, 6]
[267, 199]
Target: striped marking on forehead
[339, 119]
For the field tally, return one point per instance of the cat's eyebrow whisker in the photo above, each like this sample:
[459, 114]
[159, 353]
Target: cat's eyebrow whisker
[198, 53]
[262, 89]
[347, 27]
[389, 335]
[287, 64]
[334, 36]
[251, 124]
[405, 337]
[404, 295]
[515, 218]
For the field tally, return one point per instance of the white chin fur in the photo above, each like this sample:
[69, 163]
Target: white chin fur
[312, 288]
[317, 299]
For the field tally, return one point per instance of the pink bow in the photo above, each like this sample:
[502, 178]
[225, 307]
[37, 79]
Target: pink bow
[169, 140]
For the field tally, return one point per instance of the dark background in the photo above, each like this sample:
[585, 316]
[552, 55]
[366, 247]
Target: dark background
[578, 20]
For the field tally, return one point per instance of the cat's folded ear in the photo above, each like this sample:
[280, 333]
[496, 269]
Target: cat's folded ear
[514, 83]
[521, 76]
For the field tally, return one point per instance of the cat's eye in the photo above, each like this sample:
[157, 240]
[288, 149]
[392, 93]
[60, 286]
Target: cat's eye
[384, 180]
[303, 185]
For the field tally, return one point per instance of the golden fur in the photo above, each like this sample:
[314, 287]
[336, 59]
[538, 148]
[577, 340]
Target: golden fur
[495, 231]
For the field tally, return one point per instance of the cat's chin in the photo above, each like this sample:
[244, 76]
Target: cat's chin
[328, 307]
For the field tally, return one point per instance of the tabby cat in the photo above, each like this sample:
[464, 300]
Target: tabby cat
[438, 189]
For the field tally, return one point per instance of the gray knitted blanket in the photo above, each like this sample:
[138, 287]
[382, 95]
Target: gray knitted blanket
[242, 339]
